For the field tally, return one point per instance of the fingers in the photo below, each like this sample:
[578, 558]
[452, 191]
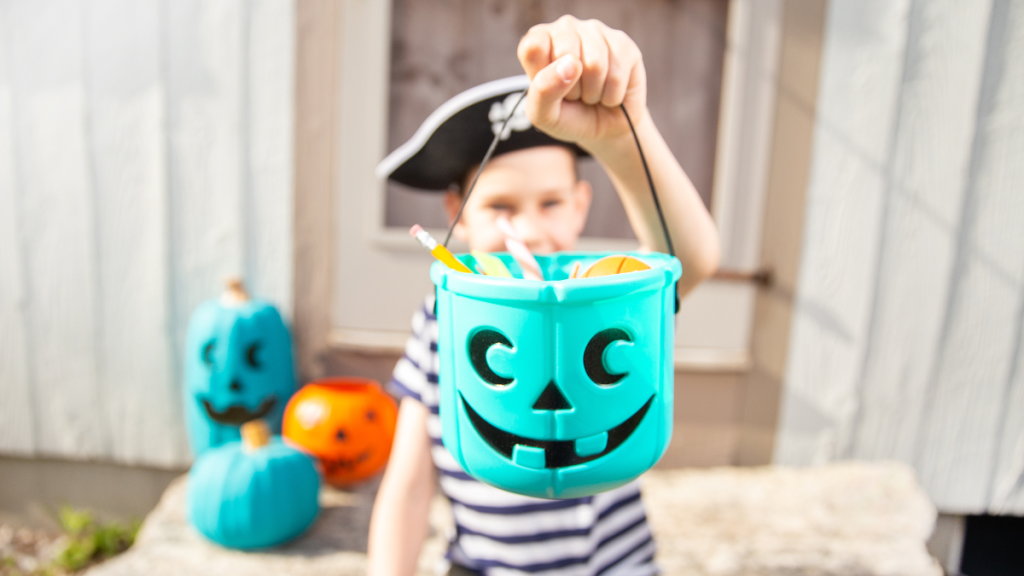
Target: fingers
[594, 56]
[611, 62]
[534, 50]
[565, 40]
[625, 68]
[549, 87]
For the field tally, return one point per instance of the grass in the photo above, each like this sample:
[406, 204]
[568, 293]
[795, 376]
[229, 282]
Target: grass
[87, 542]
[90, 541]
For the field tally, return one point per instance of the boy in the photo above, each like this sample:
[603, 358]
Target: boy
[579, 73]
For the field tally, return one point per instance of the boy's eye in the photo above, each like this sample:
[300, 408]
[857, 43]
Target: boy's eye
[501, 207]
[551, 203]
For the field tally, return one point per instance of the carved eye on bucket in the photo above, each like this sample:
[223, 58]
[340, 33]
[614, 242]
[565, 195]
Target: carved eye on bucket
[479, 344]
[593, 356]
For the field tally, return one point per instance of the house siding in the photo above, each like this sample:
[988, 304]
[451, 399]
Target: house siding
[906, 335]
[145, 153]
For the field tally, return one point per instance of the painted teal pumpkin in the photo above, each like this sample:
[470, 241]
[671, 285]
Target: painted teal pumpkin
[246, 495]
[238, 367]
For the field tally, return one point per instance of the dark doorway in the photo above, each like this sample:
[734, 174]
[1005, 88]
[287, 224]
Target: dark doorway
[993, 546]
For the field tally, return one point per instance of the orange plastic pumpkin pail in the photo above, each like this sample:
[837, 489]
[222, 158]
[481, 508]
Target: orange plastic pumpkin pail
[347, 423]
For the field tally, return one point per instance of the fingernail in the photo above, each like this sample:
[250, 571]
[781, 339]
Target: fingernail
[566, 68]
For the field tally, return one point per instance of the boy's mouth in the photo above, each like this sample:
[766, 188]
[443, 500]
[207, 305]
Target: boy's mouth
[555, 453]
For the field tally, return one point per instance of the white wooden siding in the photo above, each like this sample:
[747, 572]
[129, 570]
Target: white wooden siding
[145, 153]
[906, 337]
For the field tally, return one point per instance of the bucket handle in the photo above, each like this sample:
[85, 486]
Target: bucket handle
[643, 161]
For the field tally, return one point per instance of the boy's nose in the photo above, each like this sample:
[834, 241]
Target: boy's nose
[532, 234]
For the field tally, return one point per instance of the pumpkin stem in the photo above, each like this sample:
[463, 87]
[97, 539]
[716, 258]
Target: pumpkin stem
[255, 435]
[234, 291]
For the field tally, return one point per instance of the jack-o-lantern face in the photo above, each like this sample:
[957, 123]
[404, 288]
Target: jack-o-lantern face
[608, 349]
[556, 394]
[238, 368]
[348, 423]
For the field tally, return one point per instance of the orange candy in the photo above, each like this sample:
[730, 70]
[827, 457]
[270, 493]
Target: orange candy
[614, 265]
[347, 423]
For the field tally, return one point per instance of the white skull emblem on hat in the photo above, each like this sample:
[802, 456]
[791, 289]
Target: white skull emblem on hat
[501, 110]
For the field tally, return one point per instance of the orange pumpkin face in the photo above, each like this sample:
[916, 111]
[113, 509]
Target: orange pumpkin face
[347, 423]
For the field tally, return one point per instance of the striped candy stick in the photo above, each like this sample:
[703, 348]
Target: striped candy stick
[515, 245]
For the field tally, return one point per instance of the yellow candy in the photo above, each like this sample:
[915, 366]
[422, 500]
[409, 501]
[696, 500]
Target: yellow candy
[491, 265]
[619, 264]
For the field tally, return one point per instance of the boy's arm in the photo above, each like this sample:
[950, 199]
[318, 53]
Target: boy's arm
[398, 525]
[580, 73]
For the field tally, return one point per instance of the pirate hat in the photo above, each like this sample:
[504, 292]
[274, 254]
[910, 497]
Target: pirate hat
[455, 136]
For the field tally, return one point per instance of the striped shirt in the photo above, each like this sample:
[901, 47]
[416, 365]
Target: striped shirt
[501, 533]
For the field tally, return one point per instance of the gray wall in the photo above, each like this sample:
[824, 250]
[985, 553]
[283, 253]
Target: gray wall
[906, 338]
[145, 153]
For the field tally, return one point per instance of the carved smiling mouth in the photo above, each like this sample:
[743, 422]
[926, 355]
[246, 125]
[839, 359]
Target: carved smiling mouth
[557, 453]
[236, 414]
[333, 465]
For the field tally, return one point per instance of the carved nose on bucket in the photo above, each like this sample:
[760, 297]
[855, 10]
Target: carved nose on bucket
[551, 399]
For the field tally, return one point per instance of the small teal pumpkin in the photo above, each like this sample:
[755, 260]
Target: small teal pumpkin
[238, 367]
[254, 493]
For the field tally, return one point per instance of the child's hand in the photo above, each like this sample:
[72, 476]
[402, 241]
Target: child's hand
[580, 71]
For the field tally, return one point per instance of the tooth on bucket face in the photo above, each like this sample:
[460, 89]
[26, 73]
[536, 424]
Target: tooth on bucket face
[528, 456]
[591, 444]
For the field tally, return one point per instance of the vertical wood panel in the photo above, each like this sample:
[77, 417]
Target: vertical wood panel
[955, 455]
[792, 147]
[205, 83]
[270, 61]
[145, 153]
[920, 338]
[1004, 172]
[315, 85]
[857, 101]
[749, 87]
[969, 453]
[16, 416]
[58, 215]
[142, 406]
[924, 198]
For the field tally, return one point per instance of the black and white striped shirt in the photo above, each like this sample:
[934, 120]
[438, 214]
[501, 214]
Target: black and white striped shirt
[501, 533]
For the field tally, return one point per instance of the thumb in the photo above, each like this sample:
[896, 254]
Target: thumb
[549, 87]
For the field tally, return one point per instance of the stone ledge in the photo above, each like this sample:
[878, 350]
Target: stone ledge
[847, 519]
[167, 545]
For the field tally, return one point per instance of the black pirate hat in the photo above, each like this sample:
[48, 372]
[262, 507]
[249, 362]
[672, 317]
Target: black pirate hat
[456, 135]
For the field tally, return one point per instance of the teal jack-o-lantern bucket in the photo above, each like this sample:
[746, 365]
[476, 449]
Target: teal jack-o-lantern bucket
[561, 388]
[238, 367]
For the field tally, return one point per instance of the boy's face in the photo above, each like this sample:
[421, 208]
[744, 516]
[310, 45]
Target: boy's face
[537, 190]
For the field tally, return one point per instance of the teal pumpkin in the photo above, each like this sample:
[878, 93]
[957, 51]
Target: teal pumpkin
[243, 495]
[238, 367]
[561, 388]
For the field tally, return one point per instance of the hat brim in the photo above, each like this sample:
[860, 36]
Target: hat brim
[456, 136]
